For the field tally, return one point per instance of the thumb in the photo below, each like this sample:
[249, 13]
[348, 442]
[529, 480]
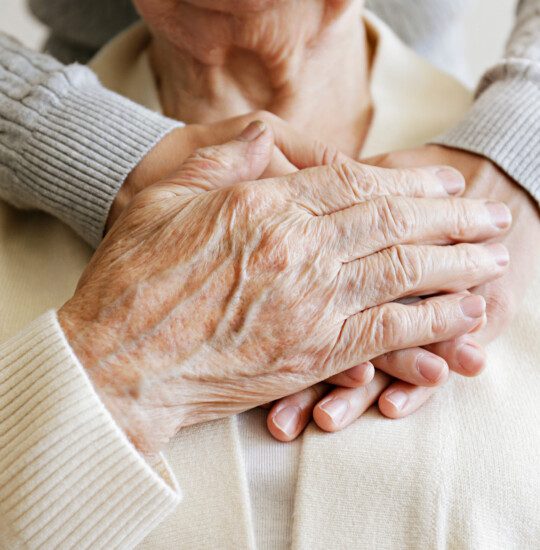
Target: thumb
[242, 159]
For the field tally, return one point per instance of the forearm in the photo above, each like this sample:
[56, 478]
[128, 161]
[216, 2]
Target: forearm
[504, 122]
[63, 460]
[66, 143]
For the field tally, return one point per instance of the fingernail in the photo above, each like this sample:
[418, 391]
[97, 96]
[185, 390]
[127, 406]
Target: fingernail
[500, 214]
[473, 306]
[397, 398]
[252, 131]
[336, 409]
[286, 420]
[499, 253]
[452, 180]
[470, 358]
[430, 367]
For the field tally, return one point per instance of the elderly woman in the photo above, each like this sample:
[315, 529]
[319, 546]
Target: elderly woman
[203, 304]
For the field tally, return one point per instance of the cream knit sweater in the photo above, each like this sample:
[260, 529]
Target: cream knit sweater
[461, 473]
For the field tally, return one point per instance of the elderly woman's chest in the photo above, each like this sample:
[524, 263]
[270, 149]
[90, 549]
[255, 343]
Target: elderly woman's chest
[41, 261]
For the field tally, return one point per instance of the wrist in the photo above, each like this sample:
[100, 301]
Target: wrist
[165, 157]
[116, 385]
[484, 178]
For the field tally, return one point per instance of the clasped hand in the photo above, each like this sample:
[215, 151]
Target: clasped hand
[215, 291]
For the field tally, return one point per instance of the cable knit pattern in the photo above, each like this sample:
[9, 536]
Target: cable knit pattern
[66, 143]
[69, 478]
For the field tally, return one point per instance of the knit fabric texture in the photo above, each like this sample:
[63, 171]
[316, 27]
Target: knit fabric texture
[60, 443]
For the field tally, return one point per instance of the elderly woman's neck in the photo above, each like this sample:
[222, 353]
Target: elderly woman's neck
[303, 60]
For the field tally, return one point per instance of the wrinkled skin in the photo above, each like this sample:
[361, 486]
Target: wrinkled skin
[216, 58]
[503, 296]
[209, 297]
[463, 355]
[292, 151]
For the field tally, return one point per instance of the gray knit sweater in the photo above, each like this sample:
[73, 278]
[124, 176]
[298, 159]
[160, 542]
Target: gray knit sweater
[67, 144]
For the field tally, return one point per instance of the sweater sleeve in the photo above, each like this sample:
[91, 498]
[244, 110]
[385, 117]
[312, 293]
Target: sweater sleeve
[504, 121]
[66, 143]
[69, 477]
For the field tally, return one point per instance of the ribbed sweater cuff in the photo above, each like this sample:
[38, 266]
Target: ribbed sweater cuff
[69, 477]
[82, 149]
[504, 126]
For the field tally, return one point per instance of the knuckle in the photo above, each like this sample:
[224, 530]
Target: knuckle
[343, 173]
[275, 248]
[327, 154]
[402, 268]
[404, 181]
[360, 180]
[383, 332]
[468, 259]
[416, 181]
[393, 217]
[369, 180]
[438, 319]
[211, 157]
[461, 217]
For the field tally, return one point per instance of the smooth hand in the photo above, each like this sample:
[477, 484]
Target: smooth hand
[210, 297]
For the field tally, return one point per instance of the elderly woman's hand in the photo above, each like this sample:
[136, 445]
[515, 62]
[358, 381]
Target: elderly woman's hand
[292, 151]
[463, 355]
[205, 300]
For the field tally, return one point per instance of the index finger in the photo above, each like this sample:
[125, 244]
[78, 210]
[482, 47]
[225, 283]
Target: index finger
[328, 189]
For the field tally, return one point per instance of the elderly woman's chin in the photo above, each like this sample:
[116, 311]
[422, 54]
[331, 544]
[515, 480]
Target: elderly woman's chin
[242, 6]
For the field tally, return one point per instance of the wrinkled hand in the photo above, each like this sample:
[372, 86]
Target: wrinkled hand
[292, 151]
[463, 355]
[210, 297]
[484, 180]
